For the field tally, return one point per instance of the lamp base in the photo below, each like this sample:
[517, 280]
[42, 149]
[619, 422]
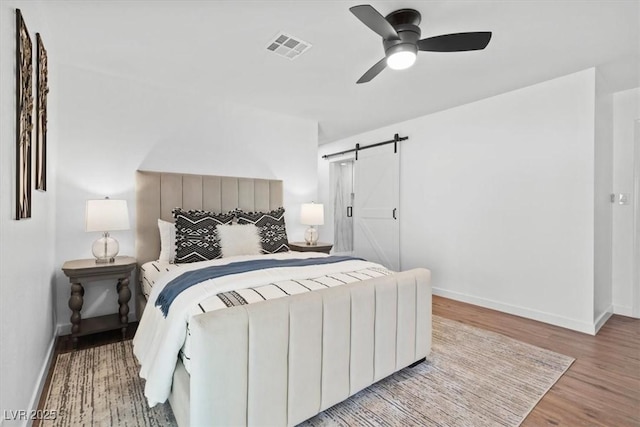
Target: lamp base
[105, 249]
[311, 236]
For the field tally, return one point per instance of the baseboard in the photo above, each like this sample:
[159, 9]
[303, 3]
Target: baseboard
[65, 328]
[44, 371]
[623, 310]
[602, 319]
[528, 313]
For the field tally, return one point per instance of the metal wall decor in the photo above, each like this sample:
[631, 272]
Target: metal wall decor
[24, 118]
[41, 117]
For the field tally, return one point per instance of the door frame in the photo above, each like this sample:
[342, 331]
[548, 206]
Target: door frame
[348, 157]
[636, 221]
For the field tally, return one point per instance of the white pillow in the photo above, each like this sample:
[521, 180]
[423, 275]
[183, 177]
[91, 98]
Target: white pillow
[239, 239]
[167, 241]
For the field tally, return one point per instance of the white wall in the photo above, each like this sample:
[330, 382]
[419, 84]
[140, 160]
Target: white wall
[497, 199]
[26, 246]
[626, 106]
[110, 127]
[603, 187]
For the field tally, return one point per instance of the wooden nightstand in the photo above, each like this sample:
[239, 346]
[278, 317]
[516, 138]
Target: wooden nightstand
[303, 247]
[86, 270]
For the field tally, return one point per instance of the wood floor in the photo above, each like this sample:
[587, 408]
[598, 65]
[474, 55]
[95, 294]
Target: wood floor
[601, 388]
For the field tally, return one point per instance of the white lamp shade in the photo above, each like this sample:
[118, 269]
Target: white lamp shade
[107, 215]
[312, 214]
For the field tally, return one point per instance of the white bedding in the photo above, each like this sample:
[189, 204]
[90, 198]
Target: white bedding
[158, 340]
[279, 289]
[151, 271]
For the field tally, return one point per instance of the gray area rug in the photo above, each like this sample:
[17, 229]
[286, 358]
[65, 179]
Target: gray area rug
[473, 377]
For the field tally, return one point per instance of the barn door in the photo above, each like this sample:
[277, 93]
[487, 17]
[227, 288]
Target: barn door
[376, 200]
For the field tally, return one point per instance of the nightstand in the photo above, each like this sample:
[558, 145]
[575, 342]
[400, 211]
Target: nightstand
[303, 247]
[83, 271]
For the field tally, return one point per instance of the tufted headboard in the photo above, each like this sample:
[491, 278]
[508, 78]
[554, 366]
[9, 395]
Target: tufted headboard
[157, 193]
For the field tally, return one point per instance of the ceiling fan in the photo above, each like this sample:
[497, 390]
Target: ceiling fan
[401, 38]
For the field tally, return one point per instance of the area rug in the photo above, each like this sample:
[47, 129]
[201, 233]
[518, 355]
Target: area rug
[472, 377]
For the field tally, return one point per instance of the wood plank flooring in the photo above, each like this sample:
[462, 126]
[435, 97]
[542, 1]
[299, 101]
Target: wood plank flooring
[601, 388]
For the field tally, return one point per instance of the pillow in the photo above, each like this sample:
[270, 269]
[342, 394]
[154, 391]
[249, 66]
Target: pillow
[167, 241]
[239, 240]
[271, 226]
[196, 236]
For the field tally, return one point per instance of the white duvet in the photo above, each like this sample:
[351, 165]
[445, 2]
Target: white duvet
[158, 339]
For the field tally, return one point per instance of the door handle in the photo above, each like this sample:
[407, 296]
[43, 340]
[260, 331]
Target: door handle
[395, 210]
[349, 211]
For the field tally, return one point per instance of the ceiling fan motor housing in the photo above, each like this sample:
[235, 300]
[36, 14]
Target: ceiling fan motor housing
[401, 41]
[405, 22]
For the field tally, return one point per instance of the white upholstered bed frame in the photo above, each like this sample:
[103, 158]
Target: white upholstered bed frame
[281, 361]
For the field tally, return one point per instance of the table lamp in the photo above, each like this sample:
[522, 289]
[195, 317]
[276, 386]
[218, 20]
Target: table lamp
[106, 215]
[312, 214]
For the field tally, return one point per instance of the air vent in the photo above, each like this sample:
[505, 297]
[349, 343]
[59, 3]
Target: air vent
[288, 46]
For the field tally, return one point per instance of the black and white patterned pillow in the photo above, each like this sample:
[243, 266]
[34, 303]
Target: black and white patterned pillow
[196, 236]
[271, 226]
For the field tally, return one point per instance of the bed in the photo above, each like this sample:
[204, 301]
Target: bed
[278, 361]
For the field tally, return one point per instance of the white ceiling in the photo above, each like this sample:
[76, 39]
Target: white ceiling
[217, 49]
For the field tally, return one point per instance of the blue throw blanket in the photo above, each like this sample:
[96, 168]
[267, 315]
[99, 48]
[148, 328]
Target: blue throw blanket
[190, 278]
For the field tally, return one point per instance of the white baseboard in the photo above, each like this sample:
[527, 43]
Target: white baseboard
[602, 319]
[42, 375]
[63, 329]
[528, 313]
[623, 310]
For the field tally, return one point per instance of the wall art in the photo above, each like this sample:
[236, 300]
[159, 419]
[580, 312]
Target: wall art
[42, 83]
[24, 118]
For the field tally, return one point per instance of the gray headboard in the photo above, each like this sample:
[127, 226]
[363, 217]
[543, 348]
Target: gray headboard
[157, 193]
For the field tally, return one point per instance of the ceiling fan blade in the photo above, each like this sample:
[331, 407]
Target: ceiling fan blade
[373, 71]
[372, 19]
[457, 42]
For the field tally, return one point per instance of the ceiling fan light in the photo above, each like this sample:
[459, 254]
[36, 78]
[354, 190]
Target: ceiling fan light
[401, 60]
